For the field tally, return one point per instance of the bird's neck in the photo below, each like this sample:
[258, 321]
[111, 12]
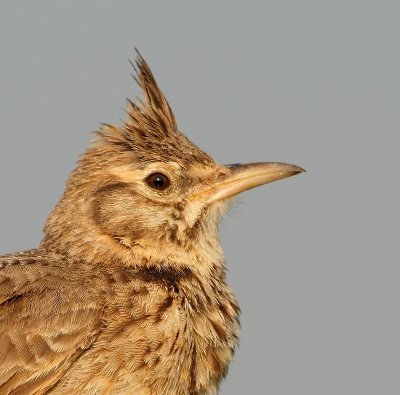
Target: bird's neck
[79, 241]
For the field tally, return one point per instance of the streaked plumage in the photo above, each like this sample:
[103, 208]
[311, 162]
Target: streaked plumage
[127, 293]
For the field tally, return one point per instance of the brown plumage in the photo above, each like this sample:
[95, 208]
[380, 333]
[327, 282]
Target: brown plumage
[127, 294]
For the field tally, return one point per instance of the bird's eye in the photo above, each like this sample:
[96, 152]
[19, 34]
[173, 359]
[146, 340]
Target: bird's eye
[158, 181]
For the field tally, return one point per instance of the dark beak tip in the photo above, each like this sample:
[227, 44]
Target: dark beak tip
[301, 170]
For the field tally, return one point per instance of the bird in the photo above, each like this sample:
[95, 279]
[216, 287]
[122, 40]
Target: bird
[127, 291]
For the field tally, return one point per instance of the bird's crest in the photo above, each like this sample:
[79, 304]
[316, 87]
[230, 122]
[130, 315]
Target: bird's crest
[154, 98]
[151, 130]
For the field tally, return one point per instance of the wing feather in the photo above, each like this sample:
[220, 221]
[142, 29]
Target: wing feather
[50, 315]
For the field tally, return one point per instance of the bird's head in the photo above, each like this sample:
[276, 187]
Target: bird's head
[145, 193]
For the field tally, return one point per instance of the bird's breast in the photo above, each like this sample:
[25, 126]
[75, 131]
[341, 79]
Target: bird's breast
[160, 338]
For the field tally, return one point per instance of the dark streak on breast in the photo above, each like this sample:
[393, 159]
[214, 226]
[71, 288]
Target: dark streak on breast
[168, 275]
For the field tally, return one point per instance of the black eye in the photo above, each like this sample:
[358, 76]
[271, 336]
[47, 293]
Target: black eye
[158, 181]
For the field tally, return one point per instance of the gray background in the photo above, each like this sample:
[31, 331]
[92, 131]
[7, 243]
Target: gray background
[314, 259]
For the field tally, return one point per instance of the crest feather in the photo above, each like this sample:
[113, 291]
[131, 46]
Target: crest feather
[154, 98]
[151, 130]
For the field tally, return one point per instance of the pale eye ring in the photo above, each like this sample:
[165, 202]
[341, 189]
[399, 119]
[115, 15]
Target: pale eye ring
[158, 181]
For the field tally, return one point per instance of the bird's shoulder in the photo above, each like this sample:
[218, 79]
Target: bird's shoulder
[39, 271]
[47, 320]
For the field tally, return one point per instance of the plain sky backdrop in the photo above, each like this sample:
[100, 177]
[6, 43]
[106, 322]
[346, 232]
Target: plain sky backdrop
[314, 259]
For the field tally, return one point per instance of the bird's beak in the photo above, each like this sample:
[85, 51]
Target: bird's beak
[242, 177]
